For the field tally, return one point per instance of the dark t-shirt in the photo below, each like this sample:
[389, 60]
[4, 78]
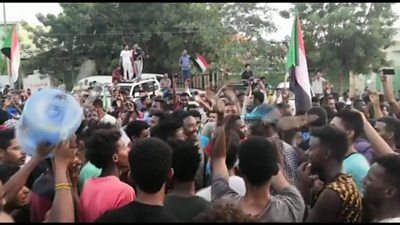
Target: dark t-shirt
[136, 212]
[137, 55]
[247, 75]
[184, 208]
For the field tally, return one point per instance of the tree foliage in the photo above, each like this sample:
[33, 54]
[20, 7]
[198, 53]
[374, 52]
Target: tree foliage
[99, 30]
[344, 38]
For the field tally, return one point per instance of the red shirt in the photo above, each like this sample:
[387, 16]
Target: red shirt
[116, 75]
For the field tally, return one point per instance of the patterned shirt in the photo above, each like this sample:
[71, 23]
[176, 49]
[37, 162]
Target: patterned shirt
[345, 187]
[290, 162]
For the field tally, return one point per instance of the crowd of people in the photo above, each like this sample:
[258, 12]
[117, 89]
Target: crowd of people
[197, 157]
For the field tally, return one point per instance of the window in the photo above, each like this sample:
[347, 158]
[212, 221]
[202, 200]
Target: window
[150, 86]
[126, 89]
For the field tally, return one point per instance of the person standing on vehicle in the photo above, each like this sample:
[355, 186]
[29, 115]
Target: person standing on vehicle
[126, 61]
[116, 75]
[165, 84]
[247, 74]
[137, 55]
[186, 65]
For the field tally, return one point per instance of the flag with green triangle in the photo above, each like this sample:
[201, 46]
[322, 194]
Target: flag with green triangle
[11, 49]
[200, 63]
[296, 65]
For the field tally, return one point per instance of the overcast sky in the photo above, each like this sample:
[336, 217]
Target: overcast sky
[27, 12]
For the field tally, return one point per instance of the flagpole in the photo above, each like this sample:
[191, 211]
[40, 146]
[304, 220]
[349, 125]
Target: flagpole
[7, 59]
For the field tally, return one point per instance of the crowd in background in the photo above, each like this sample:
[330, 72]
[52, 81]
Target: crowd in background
[198, 157]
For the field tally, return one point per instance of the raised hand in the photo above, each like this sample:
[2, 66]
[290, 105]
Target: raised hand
[382, 77]
[64, 153]
[43, 150]
[374, 98]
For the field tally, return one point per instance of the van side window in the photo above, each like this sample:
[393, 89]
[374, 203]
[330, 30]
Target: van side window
[152, 86]
[135, 90]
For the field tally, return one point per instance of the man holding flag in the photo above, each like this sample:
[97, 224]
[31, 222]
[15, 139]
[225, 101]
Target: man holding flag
[297, 67]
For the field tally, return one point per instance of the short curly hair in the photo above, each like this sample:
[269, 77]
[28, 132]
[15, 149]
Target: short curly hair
[222, 212]
[258, 160]
[135, 128]
[101, 146]
[150, 162]
[185, 160]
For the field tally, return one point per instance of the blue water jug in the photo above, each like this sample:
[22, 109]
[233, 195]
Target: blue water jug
[50, 115]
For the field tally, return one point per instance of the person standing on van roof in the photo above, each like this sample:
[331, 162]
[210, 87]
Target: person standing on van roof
[137, 57]
[186, 65]
[126, 61]
[117, 75]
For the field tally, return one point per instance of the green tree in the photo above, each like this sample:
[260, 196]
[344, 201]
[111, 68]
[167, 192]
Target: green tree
[99, 30]
[252, 19]
[344, 38]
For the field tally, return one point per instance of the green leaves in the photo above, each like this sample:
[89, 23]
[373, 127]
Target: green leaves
[344, 37]
[163, 30]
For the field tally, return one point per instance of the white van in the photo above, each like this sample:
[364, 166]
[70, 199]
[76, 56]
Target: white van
[107, 79]
[152, 86]
[102, 80]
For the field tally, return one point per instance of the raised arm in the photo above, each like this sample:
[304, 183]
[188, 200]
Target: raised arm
[374, 98]
[378, 144]
[218, 155]
[62, 209]
[295, 122]
[389, 96]
[18, 180]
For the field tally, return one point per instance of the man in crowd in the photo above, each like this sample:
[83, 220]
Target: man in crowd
[181, 200]
[105, 150]
[137, 130]
[382, 189]
[103, 116]
[165, 85]
[10, 151]
[183, 101]
[259, 166]
[150, 167]
[259, 108]
[339, 200]
[354, 163]
[389, 129]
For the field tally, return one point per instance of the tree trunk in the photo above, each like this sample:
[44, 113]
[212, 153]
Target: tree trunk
[341, 83]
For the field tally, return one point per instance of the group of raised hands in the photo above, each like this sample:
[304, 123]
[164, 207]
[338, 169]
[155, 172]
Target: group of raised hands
[65, 168]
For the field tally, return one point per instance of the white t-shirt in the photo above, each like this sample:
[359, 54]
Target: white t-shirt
[317, 85]
[108, 119]
[235, 182]
[62, 87]
[126, 56]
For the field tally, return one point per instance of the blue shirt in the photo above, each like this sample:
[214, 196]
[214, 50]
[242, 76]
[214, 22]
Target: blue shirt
[184, 61]
[257, 113]
[203, 141]
[357, 166]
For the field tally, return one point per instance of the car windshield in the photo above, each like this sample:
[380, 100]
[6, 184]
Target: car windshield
[126, 88]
